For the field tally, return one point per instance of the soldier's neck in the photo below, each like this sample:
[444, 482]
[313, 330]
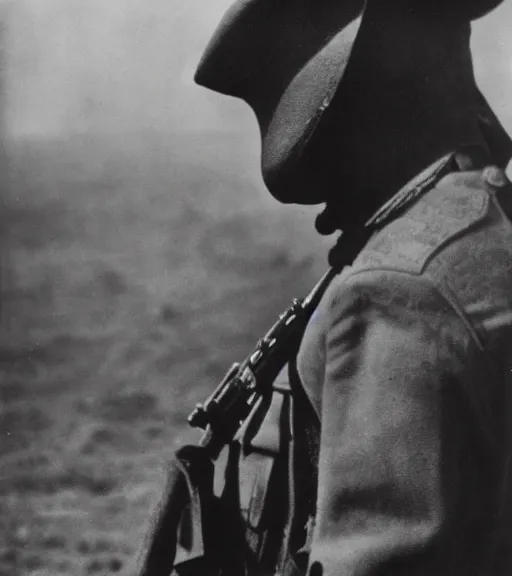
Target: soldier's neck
[379, 178]
[407, 105]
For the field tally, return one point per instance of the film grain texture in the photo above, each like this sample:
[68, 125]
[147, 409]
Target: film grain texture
[140, 256]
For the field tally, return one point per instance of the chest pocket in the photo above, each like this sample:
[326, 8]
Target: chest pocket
[458, 203]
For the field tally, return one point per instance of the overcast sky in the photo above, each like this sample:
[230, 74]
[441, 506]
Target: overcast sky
[122, 64]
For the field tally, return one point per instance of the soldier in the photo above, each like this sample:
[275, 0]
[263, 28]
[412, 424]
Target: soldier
[374, 111]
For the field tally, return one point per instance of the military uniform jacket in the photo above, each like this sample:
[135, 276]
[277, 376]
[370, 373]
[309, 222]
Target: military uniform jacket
[408, 364]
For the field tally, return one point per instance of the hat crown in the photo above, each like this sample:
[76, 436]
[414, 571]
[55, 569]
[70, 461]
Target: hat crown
[286, 59]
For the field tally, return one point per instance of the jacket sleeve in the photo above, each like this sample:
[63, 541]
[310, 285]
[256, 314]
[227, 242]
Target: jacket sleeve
[398, 489]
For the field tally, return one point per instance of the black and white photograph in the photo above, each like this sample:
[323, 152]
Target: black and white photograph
[255, 288]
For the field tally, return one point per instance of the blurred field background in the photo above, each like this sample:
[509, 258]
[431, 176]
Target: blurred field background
[140, 256]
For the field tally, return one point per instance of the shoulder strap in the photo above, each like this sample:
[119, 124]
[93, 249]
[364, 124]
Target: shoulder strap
[304, 435]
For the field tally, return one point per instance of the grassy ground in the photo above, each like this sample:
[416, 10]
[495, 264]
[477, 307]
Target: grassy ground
[134, 271]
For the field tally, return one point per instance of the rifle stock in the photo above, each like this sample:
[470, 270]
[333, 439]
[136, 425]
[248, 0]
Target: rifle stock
[183, 532]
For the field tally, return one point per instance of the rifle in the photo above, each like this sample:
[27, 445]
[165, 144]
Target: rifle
[225, 410]
[185, 538]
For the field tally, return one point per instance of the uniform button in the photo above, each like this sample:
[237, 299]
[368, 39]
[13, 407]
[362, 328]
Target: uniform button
[495, 176]
[316, 569]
